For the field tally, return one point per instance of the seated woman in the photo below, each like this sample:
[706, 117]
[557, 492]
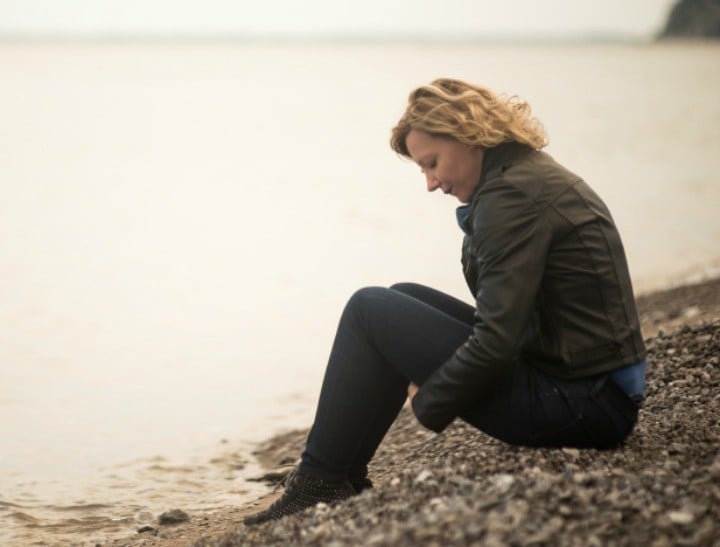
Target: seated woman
[551, 353]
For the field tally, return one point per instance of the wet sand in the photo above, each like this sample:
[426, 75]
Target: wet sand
[462, 487]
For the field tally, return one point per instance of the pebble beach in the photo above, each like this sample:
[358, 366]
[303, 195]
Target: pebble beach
[662, 487]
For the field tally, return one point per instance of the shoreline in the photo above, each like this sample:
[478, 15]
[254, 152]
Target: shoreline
[428, 484]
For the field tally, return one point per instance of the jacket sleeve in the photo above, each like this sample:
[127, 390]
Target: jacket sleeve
[511, 241]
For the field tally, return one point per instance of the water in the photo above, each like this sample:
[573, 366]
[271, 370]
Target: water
[180, 225]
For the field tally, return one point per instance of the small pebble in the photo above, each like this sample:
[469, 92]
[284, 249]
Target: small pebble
[680, 517]
[174, 516]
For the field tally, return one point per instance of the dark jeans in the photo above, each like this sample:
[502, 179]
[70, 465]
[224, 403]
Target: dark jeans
[389, 337]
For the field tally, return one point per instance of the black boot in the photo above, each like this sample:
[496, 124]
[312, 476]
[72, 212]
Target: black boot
[360, 483]
[303, 491]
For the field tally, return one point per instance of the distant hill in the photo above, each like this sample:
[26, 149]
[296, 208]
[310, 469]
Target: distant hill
[693, 19]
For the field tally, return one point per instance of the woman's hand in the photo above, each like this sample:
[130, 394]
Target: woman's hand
[412, 391]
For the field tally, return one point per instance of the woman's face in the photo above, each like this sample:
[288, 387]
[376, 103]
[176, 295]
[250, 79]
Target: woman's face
[447, 164]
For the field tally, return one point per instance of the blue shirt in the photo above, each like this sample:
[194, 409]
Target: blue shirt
[631, 379]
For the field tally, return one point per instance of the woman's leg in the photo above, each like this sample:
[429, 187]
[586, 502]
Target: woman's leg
[439, 300]
[385, 338]
[442, 302]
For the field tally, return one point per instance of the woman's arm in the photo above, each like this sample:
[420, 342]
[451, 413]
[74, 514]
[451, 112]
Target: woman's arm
[511, 240]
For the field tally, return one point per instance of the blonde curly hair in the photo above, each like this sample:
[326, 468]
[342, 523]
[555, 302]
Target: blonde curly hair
[468, 113]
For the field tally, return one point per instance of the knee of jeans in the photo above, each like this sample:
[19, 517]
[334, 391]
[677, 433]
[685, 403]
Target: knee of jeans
[362, 297]
[360, 303]
[404, 287]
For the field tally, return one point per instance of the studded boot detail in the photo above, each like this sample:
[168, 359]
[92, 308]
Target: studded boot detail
[303, 491]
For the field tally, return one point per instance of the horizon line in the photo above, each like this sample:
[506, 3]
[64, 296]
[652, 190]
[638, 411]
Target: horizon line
[349, 38]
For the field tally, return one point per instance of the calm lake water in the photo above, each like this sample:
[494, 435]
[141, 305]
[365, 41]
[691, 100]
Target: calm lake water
[181, 224]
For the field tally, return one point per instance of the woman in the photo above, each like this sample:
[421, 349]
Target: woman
[550, 355]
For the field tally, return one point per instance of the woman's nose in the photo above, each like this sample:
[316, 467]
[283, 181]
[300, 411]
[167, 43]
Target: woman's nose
[432, 183]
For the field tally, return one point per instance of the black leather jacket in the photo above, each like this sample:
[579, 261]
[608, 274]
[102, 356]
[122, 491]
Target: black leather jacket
[544, 260]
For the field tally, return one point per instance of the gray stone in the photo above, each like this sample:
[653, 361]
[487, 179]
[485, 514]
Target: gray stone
[174, 516]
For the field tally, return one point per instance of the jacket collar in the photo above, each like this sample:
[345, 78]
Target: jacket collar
[495, 161]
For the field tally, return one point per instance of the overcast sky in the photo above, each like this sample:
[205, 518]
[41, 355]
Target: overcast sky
[333, 17]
